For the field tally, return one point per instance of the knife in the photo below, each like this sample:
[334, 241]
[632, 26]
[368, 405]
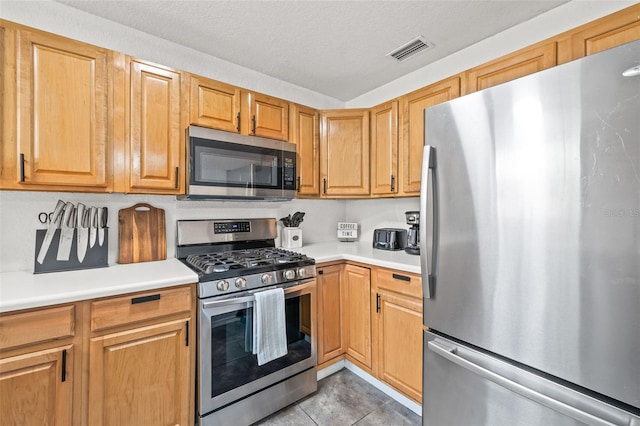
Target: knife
[66, 235]
[83, 231]
[102, 223]
[53, 225]
[93, 226]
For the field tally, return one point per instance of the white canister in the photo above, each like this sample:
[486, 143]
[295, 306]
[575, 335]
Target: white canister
[291, 237]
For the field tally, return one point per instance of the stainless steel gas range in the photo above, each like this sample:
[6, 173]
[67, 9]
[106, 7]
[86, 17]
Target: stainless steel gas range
[235, 259]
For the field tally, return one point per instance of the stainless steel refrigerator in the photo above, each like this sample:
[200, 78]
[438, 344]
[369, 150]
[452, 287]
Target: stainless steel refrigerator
[530, 245]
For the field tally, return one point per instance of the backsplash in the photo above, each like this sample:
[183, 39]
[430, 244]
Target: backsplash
[19, 217]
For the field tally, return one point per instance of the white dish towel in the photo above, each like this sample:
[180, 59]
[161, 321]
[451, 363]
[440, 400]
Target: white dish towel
[269, 325]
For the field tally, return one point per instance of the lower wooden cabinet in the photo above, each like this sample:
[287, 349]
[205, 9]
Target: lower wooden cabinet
[357, 287]
[331, 310]
[141, 376]
[124, 360]
[36, 388]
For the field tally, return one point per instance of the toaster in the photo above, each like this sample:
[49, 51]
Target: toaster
[390, 239]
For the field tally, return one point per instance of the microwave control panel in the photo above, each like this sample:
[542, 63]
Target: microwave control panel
[289, 171]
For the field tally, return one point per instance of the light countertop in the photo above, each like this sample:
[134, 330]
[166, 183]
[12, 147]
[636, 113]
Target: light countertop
[361, 252]
[23, 289]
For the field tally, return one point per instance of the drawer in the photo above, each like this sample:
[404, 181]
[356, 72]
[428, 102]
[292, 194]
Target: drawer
[398, 281]
[25, 328]
[136, 307]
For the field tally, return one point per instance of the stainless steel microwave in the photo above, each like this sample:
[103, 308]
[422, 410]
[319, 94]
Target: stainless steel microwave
[224, 165]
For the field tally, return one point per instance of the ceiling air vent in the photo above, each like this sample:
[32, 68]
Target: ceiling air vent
[410, 49]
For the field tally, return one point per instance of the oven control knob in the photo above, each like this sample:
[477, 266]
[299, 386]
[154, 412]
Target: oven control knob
[289, 274]
[301, 273]
[241, 283]
[266, 278]
[223, 285]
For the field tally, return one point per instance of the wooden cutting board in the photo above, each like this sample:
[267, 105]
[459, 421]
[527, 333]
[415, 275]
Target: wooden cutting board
[142, 234]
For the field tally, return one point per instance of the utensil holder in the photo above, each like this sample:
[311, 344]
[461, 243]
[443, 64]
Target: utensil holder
[96, 256]
[291, 237]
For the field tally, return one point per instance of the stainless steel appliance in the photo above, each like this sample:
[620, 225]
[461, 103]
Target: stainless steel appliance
[389, 238]
[530, 245]
[235, 259]
[224, 165]
[413, 235]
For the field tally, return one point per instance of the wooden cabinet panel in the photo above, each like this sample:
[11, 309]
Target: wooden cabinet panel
[36, 388]
[155, 134]
[515, 65]
[413, 135]
[141, 376]
[610, 31]
[138, 307]
[384, 149]
[344, 152]
[399, 328]
[36, 326]
[62, 92]
[269, 117]
[331, 311]
[357, 287]
[214, 104]
[304, 133]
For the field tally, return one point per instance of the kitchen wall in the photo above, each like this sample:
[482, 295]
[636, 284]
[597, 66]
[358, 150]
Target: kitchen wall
[380, 213]
[19, 218]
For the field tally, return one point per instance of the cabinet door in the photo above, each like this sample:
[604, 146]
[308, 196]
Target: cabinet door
[357, 287]
[399, 340]
[214, 104]
[269, 117]
[510, 67]
[36, 388]
[610, 31]
[331, 339]
[384, 149]
[63, 104]
[155, 134]
[304, 133]
[141, 376]
[413, 135]
[344, 152]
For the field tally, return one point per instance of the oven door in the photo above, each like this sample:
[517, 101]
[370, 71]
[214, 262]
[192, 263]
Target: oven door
[228, 371]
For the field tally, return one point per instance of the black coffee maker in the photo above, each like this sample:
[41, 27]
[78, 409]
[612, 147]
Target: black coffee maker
[413, 236]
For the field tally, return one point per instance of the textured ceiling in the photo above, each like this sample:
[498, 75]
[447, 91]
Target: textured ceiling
[337, 48]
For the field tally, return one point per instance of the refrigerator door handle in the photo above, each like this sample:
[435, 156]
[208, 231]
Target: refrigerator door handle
[451, 353]
[429, 269]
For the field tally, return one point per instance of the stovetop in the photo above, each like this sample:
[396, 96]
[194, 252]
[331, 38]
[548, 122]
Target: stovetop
[238, 255]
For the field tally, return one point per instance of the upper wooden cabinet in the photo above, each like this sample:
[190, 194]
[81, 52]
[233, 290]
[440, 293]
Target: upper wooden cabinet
[304, 133]
[515, 65]
[413, 134]
[344, 153]
[267, 117]
[610, 31]
[154, 129]
[214, 104]
[384, 149]
[56, 107]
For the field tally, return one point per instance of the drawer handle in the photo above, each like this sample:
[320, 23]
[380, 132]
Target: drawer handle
[401, 277]
[144, 299]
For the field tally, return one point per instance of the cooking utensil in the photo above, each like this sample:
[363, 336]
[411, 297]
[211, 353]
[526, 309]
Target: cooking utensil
[93, 225]
[141, 234]
[83, 231]
[51, 230]
[66, 233]
[102, 223]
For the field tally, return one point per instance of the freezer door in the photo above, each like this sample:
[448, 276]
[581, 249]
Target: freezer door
[538, 202]
[463, 386]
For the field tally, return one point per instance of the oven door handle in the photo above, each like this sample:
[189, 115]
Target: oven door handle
[288, 291]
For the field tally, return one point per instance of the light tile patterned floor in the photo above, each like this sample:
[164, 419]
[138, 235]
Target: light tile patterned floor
[344, 399]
